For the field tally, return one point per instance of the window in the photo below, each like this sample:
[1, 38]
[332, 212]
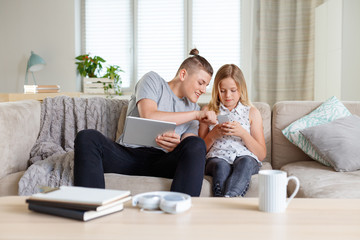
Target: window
[156, 35]
[160, 37]
[216, 31]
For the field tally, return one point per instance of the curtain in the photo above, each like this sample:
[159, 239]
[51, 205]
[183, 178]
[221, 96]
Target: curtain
[284, 50]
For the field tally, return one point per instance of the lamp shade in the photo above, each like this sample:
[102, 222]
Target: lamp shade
[35, 63]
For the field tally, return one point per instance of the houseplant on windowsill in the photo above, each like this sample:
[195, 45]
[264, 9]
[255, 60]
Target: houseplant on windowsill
[90, 68]
[113, 73]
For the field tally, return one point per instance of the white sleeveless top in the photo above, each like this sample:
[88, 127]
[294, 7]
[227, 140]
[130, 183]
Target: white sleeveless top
[230, 147]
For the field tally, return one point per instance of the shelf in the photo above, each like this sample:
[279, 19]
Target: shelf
[12, 97]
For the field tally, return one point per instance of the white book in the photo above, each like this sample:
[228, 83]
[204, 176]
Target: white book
[30, 88]
[82, 195]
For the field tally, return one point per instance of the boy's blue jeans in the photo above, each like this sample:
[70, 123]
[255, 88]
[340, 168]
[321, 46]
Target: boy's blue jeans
[231, 180]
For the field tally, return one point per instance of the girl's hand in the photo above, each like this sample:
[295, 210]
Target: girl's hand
[217, 132]
[232, 129]
[168, 140]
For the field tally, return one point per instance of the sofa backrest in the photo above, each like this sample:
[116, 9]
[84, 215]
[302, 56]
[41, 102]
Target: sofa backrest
[19, 129]
[283, 114]
[264, 109]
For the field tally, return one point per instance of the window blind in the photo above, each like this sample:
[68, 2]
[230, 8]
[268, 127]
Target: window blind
[156, 35]
[160, 37]
[108, 33]
[216, 31]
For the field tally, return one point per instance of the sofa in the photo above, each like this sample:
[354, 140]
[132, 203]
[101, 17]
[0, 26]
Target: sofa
[316, 180]
[20, 125]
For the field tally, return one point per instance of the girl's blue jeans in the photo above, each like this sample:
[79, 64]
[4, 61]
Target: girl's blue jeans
[231, 180]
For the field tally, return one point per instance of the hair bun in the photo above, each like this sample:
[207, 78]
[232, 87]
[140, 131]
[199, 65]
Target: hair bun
[194, 52]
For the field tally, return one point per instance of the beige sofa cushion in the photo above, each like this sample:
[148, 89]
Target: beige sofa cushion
[263, 108]
[140, 184]
[319, 181]
[286, 112]
[9, 184]
[20, 123]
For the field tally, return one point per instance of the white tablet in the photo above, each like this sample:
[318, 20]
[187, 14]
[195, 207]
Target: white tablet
[143, 131]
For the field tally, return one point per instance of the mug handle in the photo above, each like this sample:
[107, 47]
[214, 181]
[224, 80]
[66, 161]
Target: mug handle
[296, 188]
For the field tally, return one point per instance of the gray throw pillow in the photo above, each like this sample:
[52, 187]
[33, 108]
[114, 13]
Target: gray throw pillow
[338, 142]
[328, 111]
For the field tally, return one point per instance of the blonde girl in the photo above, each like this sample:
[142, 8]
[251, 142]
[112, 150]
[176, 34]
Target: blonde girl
[235, 148]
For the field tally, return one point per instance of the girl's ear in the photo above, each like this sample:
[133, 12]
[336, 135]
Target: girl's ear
[182, 74]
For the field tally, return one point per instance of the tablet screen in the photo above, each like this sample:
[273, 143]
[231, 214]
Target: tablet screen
[143, 131]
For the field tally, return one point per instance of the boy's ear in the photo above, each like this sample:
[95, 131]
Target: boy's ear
[182, 74]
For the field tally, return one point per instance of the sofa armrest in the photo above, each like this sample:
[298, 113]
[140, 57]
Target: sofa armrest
[265, 112]
[19, 129]
[121, 122]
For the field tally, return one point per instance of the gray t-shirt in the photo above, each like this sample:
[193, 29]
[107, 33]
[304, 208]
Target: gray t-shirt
[154, 87]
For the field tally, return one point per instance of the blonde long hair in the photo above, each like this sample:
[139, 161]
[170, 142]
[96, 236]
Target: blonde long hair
[228, 71]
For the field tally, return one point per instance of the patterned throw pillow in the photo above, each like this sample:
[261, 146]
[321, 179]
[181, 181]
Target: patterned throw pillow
[327, 112]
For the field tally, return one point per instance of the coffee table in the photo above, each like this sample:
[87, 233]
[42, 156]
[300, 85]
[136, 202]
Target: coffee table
[208, 218]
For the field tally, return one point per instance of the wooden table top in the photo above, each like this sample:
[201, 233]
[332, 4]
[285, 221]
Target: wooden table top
[208, 218]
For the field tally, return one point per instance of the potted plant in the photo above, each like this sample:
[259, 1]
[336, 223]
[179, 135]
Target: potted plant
[89, 66]
[113, 73]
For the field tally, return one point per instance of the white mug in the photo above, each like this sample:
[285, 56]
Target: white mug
[272, 190]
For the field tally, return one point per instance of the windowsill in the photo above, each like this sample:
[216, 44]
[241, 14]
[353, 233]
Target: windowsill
[204, 99]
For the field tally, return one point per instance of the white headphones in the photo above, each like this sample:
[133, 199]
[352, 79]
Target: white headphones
[170, 202]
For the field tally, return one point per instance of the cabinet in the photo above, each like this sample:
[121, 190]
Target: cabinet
[337, 50]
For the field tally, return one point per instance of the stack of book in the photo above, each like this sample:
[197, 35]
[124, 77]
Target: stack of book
[41, 88]
[78, 202]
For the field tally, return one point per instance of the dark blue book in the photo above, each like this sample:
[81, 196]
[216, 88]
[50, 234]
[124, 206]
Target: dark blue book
[82, 215]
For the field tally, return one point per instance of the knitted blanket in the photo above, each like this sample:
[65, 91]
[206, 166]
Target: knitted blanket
[52, 156]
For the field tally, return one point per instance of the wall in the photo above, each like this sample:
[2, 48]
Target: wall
[337, 50]
[46, 27]
[51, 29]
[350, 88]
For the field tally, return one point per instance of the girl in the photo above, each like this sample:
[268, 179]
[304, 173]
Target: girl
[236, 148]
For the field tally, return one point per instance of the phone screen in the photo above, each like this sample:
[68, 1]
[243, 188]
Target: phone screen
[223, 118]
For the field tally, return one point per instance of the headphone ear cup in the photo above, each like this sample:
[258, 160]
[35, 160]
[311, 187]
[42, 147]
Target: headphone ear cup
[169, 202]
[149, 202]
[175, 203]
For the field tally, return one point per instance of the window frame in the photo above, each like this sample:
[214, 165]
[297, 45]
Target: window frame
[246, 40]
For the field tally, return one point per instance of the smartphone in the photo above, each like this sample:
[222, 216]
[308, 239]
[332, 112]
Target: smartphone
[223, 118]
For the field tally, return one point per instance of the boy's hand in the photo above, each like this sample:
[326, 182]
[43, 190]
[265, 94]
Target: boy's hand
[168, 140]
[207, 117]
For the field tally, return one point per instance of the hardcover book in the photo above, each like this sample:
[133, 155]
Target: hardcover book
[81, 195]
[82, 215]
[78, 202]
